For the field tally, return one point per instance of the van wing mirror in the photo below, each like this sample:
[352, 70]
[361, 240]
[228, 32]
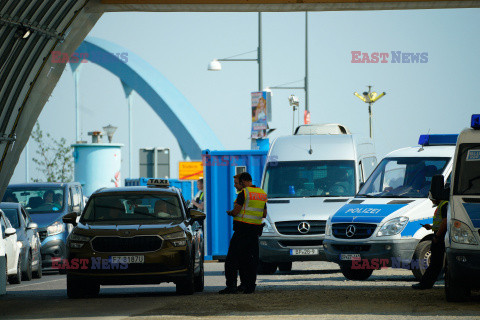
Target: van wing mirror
[437, 188]
[197, 215]
[10, 232]
[70, 218]
[32, 225]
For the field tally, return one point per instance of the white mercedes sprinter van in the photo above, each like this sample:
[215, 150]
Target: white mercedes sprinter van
[308, 177]
[382, 226]
[462, 241]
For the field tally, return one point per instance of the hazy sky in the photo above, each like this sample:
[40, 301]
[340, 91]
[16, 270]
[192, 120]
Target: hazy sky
[439, 95]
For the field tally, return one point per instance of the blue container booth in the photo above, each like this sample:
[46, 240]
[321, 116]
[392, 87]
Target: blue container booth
[219, 167]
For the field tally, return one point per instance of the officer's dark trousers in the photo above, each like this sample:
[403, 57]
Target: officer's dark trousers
[436, 264]
[242, 257]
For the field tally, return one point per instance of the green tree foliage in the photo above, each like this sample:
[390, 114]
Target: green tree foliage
[54, 158]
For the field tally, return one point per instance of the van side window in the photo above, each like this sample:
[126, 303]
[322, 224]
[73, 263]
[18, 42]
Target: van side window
[4, 226]
[368, 165]
[361, 173]
[80, 195]
[75, 196]
[25, 217]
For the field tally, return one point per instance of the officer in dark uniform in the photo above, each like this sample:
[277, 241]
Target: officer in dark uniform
[437, 248]
[249, 210]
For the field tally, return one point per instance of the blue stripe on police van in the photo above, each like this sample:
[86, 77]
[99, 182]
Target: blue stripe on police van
[364, 213]
[413, 226]
[473, 210]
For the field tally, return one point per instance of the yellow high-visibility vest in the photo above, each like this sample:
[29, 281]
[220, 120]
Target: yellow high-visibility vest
[252, 210]
[437, 216]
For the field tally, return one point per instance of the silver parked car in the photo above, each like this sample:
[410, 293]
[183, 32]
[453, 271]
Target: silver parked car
[28, 239]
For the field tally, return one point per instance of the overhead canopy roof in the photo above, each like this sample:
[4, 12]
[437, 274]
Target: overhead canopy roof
[28, 75]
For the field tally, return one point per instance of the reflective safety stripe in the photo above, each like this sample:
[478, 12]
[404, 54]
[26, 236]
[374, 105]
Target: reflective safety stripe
[437, 216]
[252, 210]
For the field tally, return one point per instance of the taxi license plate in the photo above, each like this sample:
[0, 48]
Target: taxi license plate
[128, 259]
[349, 256]
[303, 252]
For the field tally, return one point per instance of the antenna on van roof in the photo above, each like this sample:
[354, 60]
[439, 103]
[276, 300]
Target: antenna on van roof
[424, 142]
[310, 151]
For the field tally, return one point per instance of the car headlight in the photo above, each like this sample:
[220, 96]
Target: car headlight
[267, 228]
[393, 227]
[77, 237]
[77, 241]
[328, 229]
[174, 236]
[55, 228]
[461, 233]
[178, 239]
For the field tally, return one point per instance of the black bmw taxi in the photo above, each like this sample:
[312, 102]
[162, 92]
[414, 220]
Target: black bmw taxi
[135, 235]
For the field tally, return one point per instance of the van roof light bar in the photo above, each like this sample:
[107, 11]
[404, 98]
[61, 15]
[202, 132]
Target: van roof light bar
[438, 139]
[475, 124]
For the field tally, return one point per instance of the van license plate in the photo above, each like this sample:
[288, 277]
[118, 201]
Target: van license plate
[303, 252]
[128, 259]
[349, 256]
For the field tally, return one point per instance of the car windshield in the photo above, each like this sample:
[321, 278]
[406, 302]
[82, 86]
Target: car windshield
[133, 207]
[467, 171]
[37, 199]
[296, 179]
[403, 177]
[12, 215]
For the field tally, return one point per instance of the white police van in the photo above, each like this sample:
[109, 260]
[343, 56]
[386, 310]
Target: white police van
[308, 176]
[382, 225]
[462, 240]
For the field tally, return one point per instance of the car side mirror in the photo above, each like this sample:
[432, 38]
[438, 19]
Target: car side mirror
[197, 215]
[437, 188]
[32, 225]
[10, 232]
[70, 218]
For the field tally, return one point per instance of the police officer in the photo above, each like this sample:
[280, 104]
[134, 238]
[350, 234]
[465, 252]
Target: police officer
[437, 248]
[198, 203]
[250, 208]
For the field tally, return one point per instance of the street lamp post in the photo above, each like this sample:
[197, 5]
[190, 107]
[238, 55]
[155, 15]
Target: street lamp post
[305, 86]
[215, 64]
[370, 98]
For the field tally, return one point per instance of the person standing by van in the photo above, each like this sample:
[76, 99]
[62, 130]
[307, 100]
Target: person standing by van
[249, 210]
[437, 247]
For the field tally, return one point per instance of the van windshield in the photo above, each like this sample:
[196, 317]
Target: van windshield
[296, 179]
[36, 199]
[403, 177]
[467, 170]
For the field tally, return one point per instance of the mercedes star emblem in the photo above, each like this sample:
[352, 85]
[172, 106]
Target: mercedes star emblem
[351, 231]
[304, 227]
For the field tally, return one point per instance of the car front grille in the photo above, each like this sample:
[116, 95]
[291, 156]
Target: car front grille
[351, 247]
[133, 244]
[300, 243]
[42, 234]
[292, 227]
[361, 230]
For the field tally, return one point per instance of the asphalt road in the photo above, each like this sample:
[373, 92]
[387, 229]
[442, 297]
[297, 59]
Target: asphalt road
[312, 290]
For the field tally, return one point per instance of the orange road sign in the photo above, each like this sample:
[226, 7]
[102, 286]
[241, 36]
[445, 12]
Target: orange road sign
[190, 170]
